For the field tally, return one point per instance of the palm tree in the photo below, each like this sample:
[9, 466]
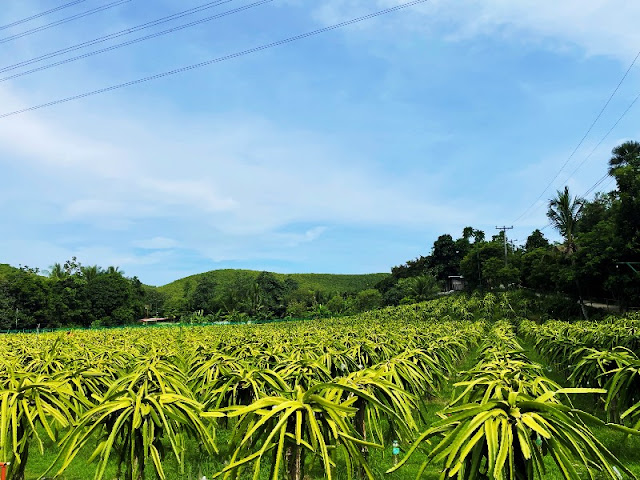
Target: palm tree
[57, 271]
[564, 212]
[111, 270]
[91, 272]
[624, 155]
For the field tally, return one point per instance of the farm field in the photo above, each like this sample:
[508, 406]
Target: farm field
[468, 386]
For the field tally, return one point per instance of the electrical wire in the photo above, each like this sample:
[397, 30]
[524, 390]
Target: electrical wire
[583, 138]
[595, 185]
[140, 39]
[591, 189]
[41, 14]
[604, 137]
[62, 21]
[118, 34]
[218, 59]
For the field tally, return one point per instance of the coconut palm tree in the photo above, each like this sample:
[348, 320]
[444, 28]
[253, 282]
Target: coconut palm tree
[90, 272]
[57, 271]
[564, 212]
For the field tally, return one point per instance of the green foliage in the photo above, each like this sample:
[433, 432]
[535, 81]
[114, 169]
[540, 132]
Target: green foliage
[306, 281]
[505, 417]
[536, 240]
[369, 299]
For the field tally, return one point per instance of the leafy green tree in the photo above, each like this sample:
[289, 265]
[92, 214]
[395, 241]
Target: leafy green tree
[369, 299]
[297, 309]
[203, 295]
[68, 302]
[483, 266]
[445, 257]
[337, 305]
[543, 270]
[30, 294]
[111, 296]
[624, 166]
[536, 240]
[273, 292]
[154, 301]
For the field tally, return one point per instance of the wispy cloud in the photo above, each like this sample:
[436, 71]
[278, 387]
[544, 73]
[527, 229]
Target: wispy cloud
[598, 27]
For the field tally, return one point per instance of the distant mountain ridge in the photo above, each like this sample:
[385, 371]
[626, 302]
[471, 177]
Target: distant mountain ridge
[323, 282]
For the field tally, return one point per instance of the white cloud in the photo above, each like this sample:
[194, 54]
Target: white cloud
[599, 27]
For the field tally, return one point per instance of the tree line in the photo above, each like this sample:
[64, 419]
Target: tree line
[73, 295]
[266, 296]
[601, 242]
[595, 260]
[69, 295]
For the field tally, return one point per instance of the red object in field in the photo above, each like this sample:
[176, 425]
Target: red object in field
[3, 470]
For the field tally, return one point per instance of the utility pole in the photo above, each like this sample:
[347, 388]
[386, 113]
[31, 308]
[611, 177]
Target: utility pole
[504, 231]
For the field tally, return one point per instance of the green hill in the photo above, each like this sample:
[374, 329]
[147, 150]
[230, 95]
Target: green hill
[323, 282]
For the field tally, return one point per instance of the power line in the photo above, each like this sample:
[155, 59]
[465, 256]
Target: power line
[595, 185]
[591, 189]
[111, 36]
[629, 107]
[62, 21]
[41, 14]
[218, 59]
[583, 137]
[604, 137]
[140, 39]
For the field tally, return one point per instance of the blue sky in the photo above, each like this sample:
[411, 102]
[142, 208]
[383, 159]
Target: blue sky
[349, 152]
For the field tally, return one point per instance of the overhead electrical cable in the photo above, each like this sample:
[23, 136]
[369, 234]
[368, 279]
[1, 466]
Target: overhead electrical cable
[138, 40]
[118, 34]
[41, 14]
[582, 139]
[64, 20]
[604, 137]
[231, 56]
[591, 189]
[595, 185]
